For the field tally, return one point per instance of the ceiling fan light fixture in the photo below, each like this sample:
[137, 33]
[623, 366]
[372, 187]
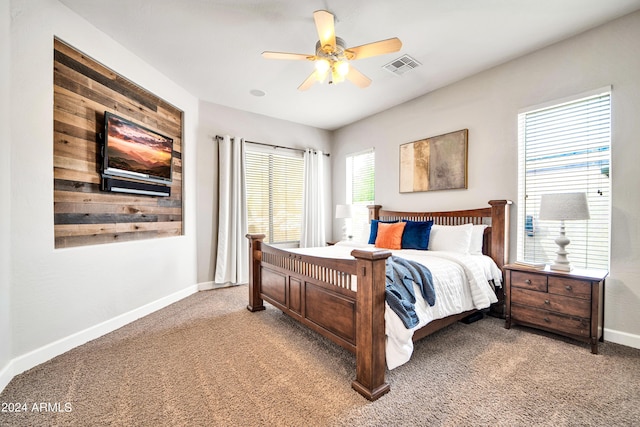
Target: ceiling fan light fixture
[321, 76]
[336, 77]
[342, 67]
[322, 65]
[332, 55]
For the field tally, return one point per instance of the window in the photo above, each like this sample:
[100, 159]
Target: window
[274, 193]
[566, 148]
[360, 191]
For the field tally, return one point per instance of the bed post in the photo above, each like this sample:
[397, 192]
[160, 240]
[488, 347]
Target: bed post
[255, 256]
[499, 247]
[374, 211]
[500, 231]
[370, 325]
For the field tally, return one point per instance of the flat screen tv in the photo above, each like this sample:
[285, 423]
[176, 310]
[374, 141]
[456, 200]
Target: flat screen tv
[136, 152]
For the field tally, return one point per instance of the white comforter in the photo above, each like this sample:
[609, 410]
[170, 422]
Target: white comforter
[461, 283]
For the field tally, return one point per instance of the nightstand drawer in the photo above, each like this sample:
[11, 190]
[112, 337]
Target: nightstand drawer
[521, 279]
[547, 301]
[548, 320]
[570, 287]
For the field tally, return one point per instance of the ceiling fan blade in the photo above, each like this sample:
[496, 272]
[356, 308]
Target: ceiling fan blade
[376, 48]
[357, 78]
[326, 29]
[285, 55]
[308, 82]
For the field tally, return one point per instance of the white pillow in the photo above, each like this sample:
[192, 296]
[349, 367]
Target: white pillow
[453, 238]
[477, 234]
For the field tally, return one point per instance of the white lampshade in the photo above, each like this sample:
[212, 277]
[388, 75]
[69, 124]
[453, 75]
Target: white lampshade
[564, 206]
[344, 211]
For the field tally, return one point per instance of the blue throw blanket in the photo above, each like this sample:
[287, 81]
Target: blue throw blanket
[401, 275]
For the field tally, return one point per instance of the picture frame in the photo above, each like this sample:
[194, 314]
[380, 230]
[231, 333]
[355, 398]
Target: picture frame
[435, 163]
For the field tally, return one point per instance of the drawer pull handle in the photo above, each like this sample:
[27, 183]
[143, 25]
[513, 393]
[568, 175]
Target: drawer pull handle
[528, 282]
[546, 319]
[568, 287]
[546, 302]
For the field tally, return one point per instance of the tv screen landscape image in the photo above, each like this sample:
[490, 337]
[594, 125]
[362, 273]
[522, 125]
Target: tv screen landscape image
[134, 151]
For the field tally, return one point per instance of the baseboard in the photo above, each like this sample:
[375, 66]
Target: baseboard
[207, 286]
[623, 338]
[6, 375]
[56, 348]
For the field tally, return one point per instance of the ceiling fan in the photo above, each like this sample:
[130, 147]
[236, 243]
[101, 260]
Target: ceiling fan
[332, 56]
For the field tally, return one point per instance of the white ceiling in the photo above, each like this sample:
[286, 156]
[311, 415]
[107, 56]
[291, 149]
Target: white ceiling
[213, 48]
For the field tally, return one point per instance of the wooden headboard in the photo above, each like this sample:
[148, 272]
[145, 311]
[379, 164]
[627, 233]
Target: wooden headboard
[496, 215]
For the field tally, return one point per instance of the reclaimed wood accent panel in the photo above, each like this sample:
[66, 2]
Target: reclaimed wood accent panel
[83, 214]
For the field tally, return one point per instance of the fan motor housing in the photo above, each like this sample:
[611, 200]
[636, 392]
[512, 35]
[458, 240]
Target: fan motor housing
[337, 54]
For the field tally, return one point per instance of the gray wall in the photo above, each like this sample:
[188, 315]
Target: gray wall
[487, 104]
[219, 120]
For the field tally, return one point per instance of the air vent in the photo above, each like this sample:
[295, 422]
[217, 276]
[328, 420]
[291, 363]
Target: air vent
[401, 65]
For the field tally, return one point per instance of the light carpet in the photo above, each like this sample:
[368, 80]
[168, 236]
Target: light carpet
[207, 361]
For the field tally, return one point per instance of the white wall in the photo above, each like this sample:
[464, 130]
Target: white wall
[220, 120]
[5, 192]
[487, 104]
[60, 297]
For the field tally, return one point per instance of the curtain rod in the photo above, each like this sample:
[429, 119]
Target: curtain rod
[277, 146]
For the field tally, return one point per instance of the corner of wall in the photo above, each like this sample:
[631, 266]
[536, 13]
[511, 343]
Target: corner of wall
[6, 372]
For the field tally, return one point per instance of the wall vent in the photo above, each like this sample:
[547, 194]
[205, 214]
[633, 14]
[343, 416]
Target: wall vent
[401, 65]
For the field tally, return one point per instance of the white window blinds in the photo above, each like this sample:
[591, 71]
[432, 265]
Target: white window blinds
[566, 148]
[360, 191]
[274, 193]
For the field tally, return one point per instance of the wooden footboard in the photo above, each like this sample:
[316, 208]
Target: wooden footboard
[321, 292]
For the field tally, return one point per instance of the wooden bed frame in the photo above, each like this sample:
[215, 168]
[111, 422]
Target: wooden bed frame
[318, 291]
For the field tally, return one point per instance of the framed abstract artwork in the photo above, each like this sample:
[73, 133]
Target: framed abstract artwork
[436, 163]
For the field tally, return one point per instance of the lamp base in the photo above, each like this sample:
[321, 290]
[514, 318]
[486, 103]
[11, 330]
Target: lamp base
[561, 262]
[561, 267]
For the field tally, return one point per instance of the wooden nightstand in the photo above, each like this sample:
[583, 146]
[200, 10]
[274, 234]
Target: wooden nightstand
[566, 303]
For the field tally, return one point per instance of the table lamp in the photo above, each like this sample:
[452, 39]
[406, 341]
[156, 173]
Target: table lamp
[343, 212]
[563, 207]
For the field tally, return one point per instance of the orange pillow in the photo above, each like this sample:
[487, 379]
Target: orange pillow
[390, 235]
